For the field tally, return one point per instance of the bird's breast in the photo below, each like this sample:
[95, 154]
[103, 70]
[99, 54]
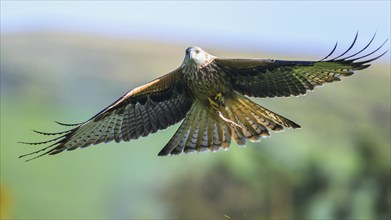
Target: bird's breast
[206, 82]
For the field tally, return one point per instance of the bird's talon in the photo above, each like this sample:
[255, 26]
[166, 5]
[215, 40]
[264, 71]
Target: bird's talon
[217, 101]
[213, 104]
[218, 96]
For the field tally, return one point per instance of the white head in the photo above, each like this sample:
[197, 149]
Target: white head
[196, 56]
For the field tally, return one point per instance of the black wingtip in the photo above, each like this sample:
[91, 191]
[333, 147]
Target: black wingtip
[66, 124]
[370, 60]
[162, 153]
[53, 147]
[366, 46]
[332, 51]
[50, 133]
[367, 61]
[40, 150]
[351, 59]
[350, 47]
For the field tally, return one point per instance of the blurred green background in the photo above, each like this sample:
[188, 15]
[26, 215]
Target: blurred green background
[336, 167]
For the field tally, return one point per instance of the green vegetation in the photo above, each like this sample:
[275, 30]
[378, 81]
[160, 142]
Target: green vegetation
[336, 166]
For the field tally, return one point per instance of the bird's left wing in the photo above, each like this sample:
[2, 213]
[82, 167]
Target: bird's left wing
[144, 110]
[271, 78]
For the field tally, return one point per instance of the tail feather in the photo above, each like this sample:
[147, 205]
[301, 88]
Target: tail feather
[237, 131]
[201, 130]
[205, 128]
[266, 117]
[250, 128]
[202, 137]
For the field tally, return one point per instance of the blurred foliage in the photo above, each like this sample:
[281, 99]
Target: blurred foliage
[336, 167]
[5, 203]
[267, 189]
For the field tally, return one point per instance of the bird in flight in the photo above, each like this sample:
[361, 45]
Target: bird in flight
[211, 95]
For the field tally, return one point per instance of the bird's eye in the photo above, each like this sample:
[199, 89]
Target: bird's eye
[197, 51]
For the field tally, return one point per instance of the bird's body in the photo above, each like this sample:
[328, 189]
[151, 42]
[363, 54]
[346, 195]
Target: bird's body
[201, 77]
[209, 94]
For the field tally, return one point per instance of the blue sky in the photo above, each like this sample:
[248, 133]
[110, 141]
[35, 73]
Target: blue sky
[281, 26]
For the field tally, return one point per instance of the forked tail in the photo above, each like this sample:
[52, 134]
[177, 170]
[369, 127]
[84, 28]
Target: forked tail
[205, 128]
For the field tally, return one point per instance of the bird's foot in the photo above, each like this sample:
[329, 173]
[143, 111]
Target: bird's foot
[217, 101]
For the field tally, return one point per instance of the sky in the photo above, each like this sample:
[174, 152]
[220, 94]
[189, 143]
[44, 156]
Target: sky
[282, 26]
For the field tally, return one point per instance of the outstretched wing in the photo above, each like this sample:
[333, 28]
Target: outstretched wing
[271, 78]
[144, 110]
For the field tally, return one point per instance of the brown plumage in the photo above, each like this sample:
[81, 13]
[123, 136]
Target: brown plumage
[209, 93]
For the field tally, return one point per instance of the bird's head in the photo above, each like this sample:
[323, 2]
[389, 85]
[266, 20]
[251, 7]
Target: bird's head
[196, 56]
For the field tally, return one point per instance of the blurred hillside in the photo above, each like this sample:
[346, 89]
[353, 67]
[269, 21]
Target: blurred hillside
[336, 166]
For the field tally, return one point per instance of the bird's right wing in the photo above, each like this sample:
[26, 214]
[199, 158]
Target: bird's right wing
[144, 110]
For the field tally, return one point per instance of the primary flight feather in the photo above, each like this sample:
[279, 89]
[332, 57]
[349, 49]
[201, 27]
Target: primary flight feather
[210, 95]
